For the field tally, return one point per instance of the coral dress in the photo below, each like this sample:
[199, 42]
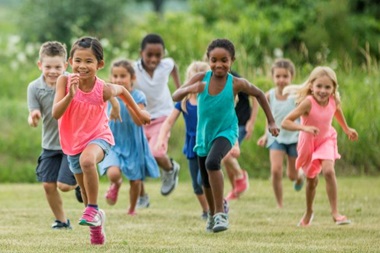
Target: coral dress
[312, 149]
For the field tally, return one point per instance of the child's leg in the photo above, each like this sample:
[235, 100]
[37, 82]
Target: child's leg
[79, 178]
[134, 192]
[291, 171]
[89, 159]
[311, 186]
[220, 147]
[206, 184]
[54, 200]
[197, 188]
[276, 159]
[331, 186]
[114, 176]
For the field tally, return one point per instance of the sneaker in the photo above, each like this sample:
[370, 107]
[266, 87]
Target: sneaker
[143, 202]
[90, 217]
[204, 215]
[131, 213]
[226, 206]
[210, 223]
[97, 234]
[170, 179]
[112, 193]
[231, 196]
[242, 184]
[61, 225]
[78, 194]
[298, 187]
[220, 222]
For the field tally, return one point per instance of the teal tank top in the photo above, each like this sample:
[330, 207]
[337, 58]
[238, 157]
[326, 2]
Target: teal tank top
[216, 116]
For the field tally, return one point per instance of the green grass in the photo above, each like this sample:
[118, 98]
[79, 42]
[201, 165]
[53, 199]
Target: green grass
[173, 224]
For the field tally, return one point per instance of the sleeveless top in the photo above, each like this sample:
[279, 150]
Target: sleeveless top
[216, 116]
[280, 109]
[191, 128]
[84, 120]
[322, 146]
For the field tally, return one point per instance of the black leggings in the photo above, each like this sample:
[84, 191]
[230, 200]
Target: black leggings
[219, 149]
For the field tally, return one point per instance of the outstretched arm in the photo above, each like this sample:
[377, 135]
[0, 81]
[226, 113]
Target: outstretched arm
[194, 85]
[115, 110]
[175, 76]
[249, 126]
[350, 132]
[168, 124]
[140, 117]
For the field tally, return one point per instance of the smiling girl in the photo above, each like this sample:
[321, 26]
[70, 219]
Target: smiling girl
[318, 103]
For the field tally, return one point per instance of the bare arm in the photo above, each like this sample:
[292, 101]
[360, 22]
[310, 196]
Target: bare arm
[165, 130]
[350, 132]
[175, 76]
[194, 85]
[262, 141]
[115, 110]
[34, 117]
[61, 99]
[241, 84]
[140, 117]
[289, 121]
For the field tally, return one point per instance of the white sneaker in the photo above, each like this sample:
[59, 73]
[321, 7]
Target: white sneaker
[143, 202]
[170, 179]
[221, 222]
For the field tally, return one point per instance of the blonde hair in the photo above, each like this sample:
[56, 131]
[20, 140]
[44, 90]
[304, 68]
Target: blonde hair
[194, 68]
[304, 90]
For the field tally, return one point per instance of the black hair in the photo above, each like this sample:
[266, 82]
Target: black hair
[125, 64]
[152, 39]
[223, 43]
[89, 42]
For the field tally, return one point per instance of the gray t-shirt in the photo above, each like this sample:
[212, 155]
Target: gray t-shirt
[40, 97]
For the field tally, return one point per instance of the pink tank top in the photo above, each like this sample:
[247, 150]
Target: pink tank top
[84, 120]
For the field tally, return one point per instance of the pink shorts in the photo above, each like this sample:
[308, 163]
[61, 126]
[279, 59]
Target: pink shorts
[151, 131]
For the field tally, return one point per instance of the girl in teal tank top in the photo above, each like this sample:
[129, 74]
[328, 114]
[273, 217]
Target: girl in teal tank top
[217, 128]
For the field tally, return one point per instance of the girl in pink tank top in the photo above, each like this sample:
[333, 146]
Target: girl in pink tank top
[80, 108]
[318, 103]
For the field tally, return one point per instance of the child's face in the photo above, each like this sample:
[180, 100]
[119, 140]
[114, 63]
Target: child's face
[52, 67]
[281, 77]
[322, 88]
[220, 61]
[151, 55]
[121, 76]
[85, 63]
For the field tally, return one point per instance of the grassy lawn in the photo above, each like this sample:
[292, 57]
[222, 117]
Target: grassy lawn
[173, 224]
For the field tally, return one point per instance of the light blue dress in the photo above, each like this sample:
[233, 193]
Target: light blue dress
[131, 152]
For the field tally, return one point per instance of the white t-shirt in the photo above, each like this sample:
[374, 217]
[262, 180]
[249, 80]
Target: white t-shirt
[156, 89]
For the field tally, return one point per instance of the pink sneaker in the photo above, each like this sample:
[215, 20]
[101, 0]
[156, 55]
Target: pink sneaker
[131, 212]
[98, 235]
[242, 184]
[91, 217]
[231, 196]
[112, 193]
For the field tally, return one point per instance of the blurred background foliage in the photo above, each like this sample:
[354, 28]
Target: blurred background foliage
[343, 34]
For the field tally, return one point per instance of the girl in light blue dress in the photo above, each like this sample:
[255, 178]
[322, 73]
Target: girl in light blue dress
[131, 155]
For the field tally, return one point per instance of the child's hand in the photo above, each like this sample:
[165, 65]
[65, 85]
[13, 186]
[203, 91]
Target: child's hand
[160, 145]
[115, 115]
[34, 118]
[144, 117]
[311, 129]
[197, 87]
[273, 129]
[74, 83]
[352, 134]
[262, 141]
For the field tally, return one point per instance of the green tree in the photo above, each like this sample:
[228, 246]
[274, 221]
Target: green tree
[42, 20]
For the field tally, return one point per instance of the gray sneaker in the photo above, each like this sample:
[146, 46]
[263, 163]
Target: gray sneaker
[210, 223]
[221, 222]
[143, 202]
[170, 179]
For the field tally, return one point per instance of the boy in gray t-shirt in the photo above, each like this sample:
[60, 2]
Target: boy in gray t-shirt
[52, 169]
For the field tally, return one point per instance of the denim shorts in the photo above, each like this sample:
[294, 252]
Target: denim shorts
[289, 149]
[74, 160]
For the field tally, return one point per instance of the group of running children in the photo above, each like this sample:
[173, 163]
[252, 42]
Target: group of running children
[128, 137]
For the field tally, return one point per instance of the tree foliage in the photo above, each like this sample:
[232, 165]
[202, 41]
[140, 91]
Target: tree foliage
[42, 20]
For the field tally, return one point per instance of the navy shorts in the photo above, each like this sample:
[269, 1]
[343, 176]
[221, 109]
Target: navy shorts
[53, 167]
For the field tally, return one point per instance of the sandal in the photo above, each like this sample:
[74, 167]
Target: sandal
[302, 223]
[341, 220]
